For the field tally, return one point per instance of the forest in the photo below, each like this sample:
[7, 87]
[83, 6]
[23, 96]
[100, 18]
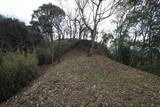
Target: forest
[53, 31]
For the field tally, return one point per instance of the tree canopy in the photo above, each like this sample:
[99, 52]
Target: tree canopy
[14, 35]
[47, 20]
[138, 28]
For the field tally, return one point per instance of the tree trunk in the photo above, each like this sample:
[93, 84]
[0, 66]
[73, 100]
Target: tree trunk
[59, 37]
[51, 38]
[63, 37]
[80, 35]
[58, 50]
[93, 34]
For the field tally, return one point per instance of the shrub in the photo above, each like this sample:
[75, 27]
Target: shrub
[16, 70]
[62, 47]
[52, 52]
[44, 55]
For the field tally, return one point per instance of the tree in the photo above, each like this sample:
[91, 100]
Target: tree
[93, 12]
[34, 37]
[47, 19]
[75, 25]
[12, 34]
[15, 35]
[139, 28]
[105, 38]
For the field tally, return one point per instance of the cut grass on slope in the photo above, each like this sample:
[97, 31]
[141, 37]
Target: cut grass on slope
[91, 81]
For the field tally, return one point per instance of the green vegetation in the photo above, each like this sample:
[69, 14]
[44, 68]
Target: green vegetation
[15, 35]
[18, 64]
[47, 20]
[136, 40]
[16, 71]
[52, 52]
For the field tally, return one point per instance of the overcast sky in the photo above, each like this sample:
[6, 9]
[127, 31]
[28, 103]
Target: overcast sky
[23, 9]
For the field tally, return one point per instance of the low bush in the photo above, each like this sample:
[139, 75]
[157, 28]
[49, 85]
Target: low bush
[44, 55]
[16, 70]
[53, 51]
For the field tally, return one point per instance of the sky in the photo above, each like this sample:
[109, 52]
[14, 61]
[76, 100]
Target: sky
[23, 9]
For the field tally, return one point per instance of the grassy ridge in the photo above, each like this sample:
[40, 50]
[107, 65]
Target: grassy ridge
[92, 81]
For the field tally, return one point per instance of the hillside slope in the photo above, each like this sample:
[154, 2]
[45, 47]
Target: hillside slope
[90, 81]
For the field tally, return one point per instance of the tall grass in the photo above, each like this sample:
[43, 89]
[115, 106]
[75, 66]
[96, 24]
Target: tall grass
[16, 70]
